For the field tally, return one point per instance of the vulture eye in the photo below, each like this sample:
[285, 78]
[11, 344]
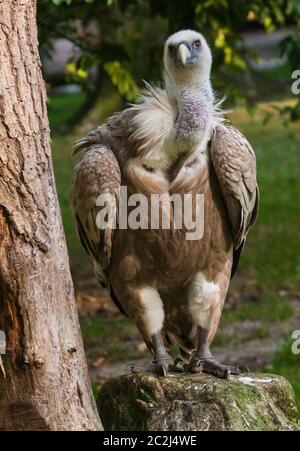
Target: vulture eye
[197, 43]
[172, 50]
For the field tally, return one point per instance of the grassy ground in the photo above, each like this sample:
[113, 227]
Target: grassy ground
[61, 109]
[268, 281]
[286, 364]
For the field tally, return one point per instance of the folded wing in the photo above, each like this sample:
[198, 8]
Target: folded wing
[234, 163]
[95, 187]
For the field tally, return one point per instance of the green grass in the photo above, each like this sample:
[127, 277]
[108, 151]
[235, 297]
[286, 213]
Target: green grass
[287, 364]
[269, 308]
[115, 337]
[229, 339]
[272, 252]
[256, 334]
[64, 165]
[61, 109]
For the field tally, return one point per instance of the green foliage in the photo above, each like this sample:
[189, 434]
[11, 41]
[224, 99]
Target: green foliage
[128, 44]
[68, 2]
[59, 2]
[290, 47]
[122, 79]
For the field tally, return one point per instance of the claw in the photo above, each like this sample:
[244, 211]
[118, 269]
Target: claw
[160, 366]
[164, 371]
[197, 367]
[211, 366]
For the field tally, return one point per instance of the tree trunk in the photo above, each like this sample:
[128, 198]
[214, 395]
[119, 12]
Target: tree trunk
[44, 381]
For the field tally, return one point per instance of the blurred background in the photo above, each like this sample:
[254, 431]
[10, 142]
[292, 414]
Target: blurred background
[95, 55]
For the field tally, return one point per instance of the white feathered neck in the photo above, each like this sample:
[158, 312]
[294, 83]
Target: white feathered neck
[155, 117]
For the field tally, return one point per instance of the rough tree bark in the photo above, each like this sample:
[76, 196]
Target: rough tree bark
[43, 375]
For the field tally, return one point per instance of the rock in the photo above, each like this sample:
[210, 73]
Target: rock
[197, 402]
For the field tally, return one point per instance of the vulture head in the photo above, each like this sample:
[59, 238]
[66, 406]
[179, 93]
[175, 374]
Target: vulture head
[187, 57]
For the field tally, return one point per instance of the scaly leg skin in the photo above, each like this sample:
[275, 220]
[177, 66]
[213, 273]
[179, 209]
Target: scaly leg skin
[203, 361]
[162, 362]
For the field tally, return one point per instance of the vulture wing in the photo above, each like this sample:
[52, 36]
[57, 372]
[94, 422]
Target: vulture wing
[114, 134]
[96, 174]
[234, 163]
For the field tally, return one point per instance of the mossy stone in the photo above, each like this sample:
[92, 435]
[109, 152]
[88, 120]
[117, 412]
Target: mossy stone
[197, 402]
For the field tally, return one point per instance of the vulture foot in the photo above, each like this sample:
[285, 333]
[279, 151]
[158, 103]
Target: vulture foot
[211, 366]
[160, 366]
[163, 365]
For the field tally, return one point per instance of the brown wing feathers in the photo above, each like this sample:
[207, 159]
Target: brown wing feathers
[234, 163]
[97, 173]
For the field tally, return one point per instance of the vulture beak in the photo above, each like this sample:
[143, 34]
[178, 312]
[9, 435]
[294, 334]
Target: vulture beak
[184, 53]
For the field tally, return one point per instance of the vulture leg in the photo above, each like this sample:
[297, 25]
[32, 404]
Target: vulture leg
[146, 309]
[203, 361]
[162, 362]
[206, 299]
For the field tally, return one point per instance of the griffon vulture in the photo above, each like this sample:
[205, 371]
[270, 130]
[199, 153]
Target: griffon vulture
[173, 141]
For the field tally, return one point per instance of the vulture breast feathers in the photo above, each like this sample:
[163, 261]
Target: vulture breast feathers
[110, 145]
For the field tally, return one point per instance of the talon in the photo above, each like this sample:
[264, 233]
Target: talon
[211, 366]
[196, 366]
[164, 371]
[200, 366]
